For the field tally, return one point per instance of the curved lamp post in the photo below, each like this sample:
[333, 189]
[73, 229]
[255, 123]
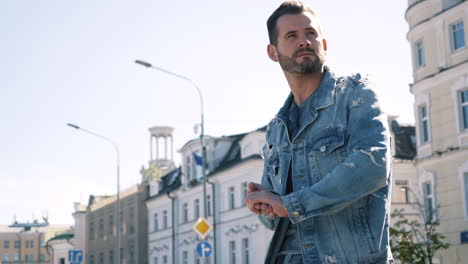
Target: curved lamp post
[118, 184]
[202, 124]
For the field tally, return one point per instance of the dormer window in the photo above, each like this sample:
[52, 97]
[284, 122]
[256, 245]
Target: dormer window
[188, 167]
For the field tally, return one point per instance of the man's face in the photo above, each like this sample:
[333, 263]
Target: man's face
[300, 48]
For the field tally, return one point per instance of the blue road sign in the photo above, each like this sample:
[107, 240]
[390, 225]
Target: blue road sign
[75, 256]
[204, 249]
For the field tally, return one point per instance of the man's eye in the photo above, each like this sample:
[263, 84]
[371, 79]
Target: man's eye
[290, 36]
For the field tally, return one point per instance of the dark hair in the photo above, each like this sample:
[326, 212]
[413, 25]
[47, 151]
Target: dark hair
[291, 8]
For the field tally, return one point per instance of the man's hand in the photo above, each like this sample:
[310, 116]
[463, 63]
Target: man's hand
[260, 200]
[258, 208]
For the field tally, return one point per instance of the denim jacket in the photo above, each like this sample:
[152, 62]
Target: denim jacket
[341, 173]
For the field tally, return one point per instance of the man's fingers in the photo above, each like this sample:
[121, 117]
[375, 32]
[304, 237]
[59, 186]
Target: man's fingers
[253, 187]
[253, 207]
[266, 207]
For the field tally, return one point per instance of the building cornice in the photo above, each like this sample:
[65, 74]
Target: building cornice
[427, 78]
[413, 5]
[439, 153]
[433, 16]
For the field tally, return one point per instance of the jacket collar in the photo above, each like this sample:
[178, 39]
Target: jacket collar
[323, 97]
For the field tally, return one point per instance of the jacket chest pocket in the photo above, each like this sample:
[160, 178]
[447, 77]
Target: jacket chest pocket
[326, 151]
[272, 166]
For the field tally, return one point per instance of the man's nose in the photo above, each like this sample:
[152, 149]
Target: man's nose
[304, 42]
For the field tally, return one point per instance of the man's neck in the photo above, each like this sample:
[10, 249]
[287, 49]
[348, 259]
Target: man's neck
[303, 86]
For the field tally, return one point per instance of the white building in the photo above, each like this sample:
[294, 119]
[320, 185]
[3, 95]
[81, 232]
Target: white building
[437, 36]
[176, 202]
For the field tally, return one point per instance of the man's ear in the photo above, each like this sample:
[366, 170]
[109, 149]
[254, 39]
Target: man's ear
[272, 52]
[324, 42]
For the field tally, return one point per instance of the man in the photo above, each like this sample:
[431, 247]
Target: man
[326, 183]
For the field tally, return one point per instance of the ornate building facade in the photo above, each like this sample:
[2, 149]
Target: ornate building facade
[440, 71]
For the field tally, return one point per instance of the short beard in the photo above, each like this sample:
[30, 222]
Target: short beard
[307, 66]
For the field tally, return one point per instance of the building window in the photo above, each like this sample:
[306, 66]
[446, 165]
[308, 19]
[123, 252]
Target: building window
[449, 3]
[155, 260]
[165, 219]
[232, 200]
[245, 190]
[463, 95]
[196, 211]
[465, 194]
[101, 228]
[91, 259]
[6, 244]
[31, 243]
[5, 257]
[232, 252]
[131, 221]
[17, 244]
[184, 257]
[101, 258]
[245, 251]
[196, 258]
[111, 225]
[131, 252]
[43, 244]
[164, 259]
[429, 204]
[187, 168]
[62, 261]
[155, 223]
[16, 257]
[91, 233]
[401, 192]
[26, 244]
[111, 256]
[419, 50]
[185, 213]
[42, 257]
[208, 205]
[457, 36]
[423, 124]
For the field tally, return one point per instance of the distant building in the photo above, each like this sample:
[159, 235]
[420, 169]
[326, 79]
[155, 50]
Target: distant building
[403, 143]
[25, 243]
[59, 246]
[101, 228]
[176, 202]
[437, 35]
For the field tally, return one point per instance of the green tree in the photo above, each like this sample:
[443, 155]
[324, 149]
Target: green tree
[413, 242]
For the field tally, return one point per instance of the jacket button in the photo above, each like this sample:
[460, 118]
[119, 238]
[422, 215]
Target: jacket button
[296, 213]
[323, 148]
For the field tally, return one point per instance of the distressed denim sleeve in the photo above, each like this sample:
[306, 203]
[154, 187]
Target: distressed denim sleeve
[267, 221]
[365, 170]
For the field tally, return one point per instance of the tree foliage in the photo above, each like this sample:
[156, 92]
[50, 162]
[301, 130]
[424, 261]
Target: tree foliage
[413, 242]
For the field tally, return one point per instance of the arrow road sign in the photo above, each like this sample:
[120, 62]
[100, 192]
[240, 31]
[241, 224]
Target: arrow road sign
[75, 256]
[204, 249]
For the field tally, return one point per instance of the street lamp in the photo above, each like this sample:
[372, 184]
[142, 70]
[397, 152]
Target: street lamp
[118, 184]
[148, 65]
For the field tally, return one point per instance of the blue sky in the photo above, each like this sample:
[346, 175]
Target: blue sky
[73, 62]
